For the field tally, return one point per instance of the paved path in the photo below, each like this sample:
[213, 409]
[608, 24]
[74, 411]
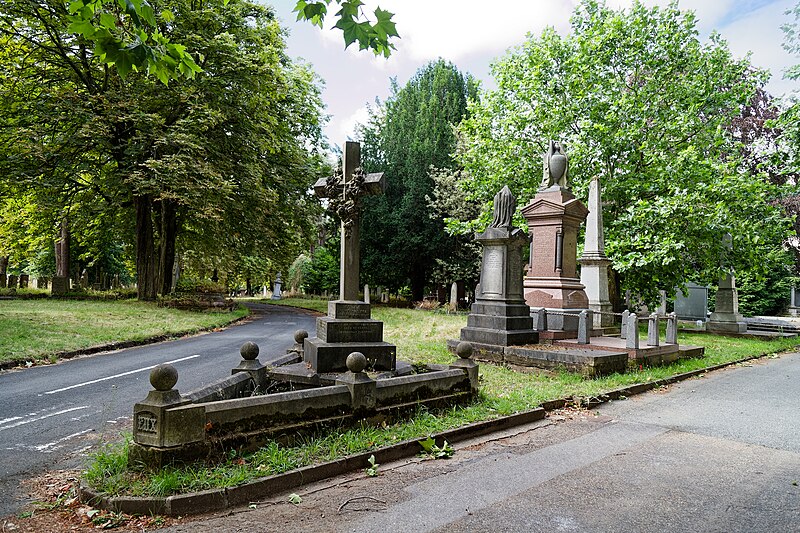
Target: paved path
[719, 453]
[51, 415]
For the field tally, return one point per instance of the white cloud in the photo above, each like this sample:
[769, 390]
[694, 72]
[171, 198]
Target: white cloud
[346, 128]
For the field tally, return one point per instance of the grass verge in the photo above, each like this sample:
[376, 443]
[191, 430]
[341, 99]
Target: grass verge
[38, 330]
[419, 336]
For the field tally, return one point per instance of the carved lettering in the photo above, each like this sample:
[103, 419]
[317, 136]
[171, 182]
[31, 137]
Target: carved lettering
[146, 422]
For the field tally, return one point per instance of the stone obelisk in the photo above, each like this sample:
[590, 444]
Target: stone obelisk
[594, 263]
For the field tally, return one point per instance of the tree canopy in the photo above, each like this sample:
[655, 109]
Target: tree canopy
[642, 103]
[407, 136]
[214, 168]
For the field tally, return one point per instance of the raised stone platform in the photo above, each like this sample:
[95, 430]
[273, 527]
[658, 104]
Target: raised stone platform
[549, 357]
[348, 328]
[644, 355]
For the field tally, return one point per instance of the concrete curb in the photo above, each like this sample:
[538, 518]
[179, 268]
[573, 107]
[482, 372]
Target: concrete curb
[219, 499]
[20, 363]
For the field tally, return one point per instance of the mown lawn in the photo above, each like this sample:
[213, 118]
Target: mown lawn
[37, 330]
[419, 336]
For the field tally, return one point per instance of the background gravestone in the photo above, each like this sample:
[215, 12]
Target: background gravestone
[693, 306]
[594, 263]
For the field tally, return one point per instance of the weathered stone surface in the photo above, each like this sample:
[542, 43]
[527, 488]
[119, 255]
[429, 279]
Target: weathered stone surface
[331, 357]
[60, 286]
[726, 317]
[344, 330]
[554, 217]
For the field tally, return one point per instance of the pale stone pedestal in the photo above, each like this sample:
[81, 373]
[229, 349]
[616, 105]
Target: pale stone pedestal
[726, 317]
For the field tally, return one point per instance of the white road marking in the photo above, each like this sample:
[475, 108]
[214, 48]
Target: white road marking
[5, 420]
[120, 375]
[37, 418]
[44, 447]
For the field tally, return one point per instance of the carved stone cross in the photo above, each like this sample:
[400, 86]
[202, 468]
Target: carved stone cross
[373, 184]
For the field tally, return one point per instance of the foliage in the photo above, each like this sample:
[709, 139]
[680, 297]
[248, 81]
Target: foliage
[150, 167]
[354, 23]
[433, 451]
[768, 295]
[372, 469]
[406, 136]
[322, 272]
[296, 270]
[640, 102]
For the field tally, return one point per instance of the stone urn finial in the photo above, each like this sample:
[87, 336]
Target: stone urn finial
[555, 167]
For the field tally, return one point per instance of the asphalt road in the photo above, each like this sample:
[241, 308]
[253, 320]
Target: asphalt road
[719, 453]
[51, 415]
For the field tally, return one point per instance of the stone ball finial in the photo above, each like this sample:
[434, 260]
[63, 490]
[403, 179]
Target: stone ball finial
[249, 351]
[300, 335]
[163, 377]
[464, 350]
[356, 362]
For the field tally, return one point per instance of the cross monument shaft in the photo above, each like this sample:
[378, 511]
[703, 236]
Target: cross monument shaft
[350, 254]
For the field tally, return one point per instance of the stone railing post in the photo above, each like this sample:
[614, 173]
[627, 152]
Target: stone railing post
[623, 329]
[652, 329]
[672, 328]
[251, 365]
[464, 362]
[632, 339]
[584, 319]
[149, 428]
[540, 320]
[362, 387]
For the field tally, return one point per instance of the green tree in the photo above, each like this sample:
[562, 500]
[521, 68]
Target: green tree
[224, 159]
[642, 103]
[406, 136]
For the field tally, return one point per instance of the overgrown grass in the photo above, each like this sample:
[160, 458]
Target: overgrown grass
[36, 330]
[419, 336]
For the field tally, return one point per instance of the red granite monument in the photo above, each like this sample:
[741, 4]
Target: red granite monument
[554, 217]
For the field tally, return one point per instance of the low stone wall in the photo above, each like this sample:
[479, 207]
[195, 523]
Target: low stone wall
[169, 427]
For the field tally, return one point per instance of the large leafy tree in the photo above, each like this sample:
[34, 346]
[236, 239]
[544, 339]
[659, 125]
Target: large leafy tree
[642, 103]
[225, 157]
[408, 136]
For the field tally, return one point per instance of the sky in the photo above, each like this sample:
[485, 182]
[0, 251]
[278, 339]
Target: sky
[473, 33]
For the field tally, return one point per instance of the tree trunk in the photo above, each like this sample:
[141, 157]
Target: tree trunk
[169, 232]
[62, 249]
[3, 271]
[249, 289]
[145, 248]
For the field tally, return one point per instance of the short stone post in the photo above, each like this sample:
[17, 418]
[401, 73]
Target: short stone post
[632, 338]
[672, 328]
[540, 320]
[299, 339]
[366, 293]
[584, 319]
[362, 387]
[148, 415]
[454, 297]
[251, 365]
[652, 329]
[623, 329]
[464, 362]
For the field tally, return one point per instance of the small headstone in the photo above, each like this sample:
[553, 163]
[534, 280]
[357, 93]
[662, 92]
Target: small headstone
[693, 306]
[385, 297]
[84, 279]
[366, 293]
[60, 286]
[276, 292]
[454, 296]
[12, 281]
[23, 281]
[264, 293]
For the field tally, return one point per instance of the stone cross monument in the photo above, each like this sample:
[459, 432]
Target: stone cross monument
[348, 327]
[344, 192]
[594, 263]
